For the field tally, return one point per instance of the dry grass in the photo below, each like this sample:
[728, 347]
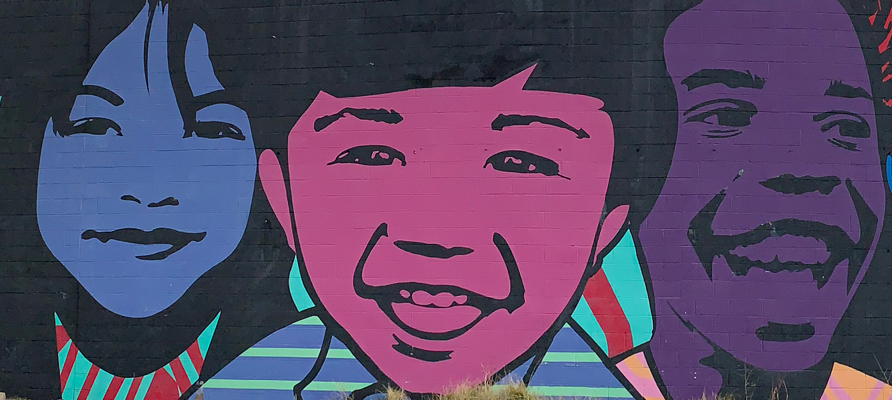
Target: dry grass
[717, 397]
[514, 391]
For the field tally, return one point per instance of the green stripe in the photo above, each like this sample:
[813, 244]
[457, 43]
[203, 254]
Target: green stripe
[282, 385]
[579, 391]
[278, 352]
[315, 321]
[578, 357]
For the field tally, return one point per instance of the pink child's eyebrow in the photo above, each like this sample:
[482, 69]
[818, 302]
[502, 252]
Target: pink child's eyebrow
[366, 114]
[516, 119]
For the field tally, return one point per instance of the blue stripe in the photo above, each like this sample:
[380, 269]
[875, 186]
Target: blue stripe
[295, 336]
[264, 368]
[341, 370]
[592, 375]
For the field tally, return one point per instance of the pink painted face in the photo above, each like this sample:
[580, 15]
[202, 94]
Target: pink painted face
[447, 230]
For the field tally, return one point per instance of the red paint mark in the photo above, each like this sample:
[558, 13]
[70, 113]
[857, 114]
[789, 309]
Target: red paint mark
[163, 387]
[67, 365]
[61, 338]
[113, 388]
[886, 65]
[131, 394]
[195, 356]
[888, 102]
[179, 375]
[88, 383]
[887, 77]
[610, 316]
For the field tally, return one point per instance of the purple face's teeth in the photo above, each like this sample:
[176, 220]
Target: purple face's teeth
[442, 299]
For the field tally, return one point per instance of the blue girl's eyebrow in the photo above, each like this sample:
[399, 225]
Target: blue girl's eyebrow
[103, 93]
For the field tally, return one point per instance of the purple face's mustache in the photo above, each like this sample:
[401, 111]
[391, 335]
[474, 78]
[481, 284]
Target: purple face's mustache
[841, 247]
[176, 239]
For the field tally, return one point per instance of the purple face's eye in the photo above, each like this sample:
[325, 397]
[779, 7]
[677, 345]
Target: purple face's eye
[847, 124]
[728, 115]
[374, 155]
[89, 126]
[522, 162]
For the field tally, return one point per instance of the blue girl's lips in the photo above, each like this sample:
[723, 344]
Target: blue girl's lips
[176, 239]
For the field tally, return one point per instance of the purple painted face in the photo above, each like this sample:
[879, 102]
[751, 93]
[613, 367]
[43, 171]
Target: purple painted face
[769, 214]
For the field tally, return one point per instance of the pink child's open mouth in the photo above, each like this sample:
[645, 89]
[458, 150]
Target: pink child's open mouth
[437, 312]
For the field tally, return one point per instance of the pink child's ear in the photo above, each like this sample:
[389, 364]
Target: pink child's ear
[273, 183]
[612, 226]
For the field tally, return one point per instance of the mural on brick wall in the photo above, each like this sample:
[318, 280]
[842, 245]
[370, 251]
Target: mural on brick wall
[313, 199]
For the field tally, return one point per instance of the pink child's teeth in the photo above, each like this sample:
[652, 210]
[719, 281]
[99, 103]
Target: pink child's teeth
[442, 299]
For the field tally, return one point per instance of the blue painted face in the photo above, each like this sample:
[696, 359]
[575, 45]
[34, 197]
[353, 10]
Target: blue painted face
[139, 194]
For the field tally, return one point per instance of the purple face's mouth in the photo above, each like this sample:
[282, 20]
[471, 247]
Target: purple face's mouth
[176, 239]
[453, 301]
[733, 248]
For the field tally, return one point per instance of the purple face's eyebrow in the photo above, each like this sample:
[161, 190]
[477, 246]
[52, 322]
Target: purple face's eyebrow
[728, 77]
[840, 89]
[515, 120]
[366, 114]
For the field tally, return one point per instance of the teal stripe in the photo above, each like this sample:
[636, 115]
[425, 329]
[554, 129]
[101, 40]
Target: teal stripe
[584, 317]
[191, 373]
[622, 270]
[204, 340]
[314, 321]
[144, 386]
[282, 385]
[169, 371]
[63, 354]
[299, 294]
[125, 388]
[100, 385]
[76, 379]
[580, 391]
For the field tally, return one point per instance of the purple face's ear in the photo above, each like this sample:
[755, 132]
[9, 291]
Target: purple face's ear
[516, 82]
